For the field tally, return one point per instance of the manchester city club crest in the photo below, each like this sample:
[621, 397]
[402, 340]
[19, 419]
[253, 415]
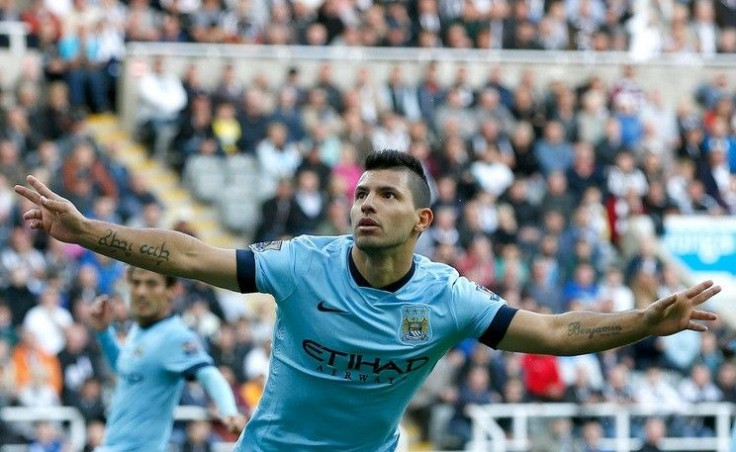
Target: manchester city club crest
[265, 246]
[415, 326]
[484, 289]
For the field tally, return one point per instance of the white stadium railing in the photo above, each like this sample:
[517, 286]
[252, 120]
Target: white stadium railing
[488, 436]
[76, 436]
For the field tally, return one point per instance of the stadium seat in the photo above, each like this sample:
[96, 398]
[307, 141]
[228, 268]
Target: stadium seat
[205, 177]
[238, 209]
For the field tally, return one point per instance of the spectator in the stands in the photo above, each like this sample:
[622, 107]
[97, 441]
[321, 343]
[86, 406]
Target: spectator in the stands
[309, 207]
[48, 321]
[659, 395]
[34, 367]
[161, 98]
[47, 438]
[11, 162]
[226, 127]
[554, 152]
[79, 49]
[142, 22]
[654, 429]
[21, 254]
[85, 177]
[54, 119]
[78, 362]
[254, 121]
[287, 111]
[89, 400]
[277, 157]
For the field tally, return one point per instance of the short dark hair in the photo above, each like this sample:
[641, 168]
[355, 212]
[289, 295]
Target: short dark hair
[170, 280]
[392, 159]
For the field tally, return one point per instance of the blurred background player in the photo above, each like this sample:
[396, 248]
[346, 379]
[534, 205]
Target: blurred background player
[158, 355]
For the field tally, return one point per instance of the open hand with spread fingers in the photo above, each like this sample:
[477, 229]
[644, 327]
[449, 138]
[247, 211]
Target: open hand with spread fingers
[679, 311]
[53, 214]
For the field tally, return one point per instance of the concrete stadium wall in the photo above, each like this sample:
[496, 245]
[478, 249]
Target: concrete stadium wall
[676, 78]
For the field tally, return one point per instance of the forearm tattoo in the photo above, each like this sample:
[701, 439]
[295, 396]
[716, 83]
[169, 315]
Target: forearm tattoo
[111, 241]
[576, 329]
[113, 245]
[160, 253]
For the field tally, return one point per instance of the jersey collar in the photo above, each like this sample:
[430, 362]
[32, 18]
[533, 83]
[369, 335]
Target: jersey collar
[362, 282]
[156, 322]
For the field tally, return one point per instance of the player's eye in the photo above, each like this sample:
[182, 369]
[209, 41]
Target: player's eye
[359, 194]
[389, 195]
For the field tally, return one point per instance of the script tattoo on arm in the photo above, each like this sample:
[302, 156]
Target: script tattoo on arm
[576, 329]
[160, 253]
[111, 241]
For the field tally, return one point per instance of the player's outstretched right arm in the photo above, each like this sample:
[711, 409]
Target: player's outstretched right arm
[164, 251]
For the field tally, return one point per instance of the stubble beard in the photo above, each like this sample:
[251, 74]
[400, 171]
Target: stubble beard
[377, 246]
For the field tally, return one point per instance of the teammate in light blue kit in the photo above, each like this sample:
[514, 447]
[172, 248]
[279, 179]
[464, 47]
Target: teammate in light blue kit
[159, 353]
[361, 319]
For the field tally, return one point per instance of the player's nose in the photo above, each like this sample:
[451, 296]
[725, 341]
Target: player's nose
[367, 205]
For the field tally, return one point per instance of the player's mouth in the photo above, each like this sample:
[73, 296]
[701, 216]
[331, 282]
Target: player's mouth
[367, 224]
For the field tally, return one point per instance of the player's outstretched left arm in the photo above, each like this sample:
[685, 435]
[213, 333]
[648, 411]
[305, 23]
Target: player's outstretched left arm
[580, 332]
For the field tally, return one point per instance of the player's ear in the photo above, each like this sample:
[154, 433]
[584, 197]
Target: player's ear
[425, 216]
[170, 292]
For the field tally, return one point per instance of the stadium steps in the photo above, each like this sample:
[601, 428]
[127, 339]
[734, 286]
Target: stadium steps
[165, 183]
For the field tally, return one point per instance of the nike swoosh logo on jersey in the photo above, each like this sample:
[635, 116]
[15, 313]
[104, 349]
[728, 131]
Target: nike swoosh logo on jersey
[322, 307]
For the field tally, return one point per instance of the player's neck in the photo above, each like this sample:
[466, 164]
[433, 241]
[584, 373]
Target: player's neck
[381, 270]
[148, 322]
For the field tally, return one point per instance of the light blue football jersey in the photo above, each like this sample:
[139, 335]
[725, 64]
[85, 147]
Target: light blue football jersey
[151, 370]
[347, 358]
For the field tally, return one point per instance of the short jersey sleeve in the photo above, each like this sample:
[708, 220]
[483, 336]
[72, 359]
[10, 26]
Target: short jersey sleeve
[184, 353]
[275, 267]
[480, 313]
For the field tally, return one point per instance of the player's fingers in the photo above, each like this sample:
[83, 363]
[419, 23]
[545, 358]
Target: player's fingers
[695, 326]
[667, 302]
[230, 425]
[56, 206]
[33, 214]
[236, 424]
[99, 304]
[706, 295]
[29, 194]
[41, 188]
[703, 315]
[698, 288]
[35, 224]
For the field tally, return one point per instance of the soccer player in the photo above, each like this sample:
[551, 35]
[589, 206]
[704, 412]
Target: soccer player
[158, 354]
[361, 318]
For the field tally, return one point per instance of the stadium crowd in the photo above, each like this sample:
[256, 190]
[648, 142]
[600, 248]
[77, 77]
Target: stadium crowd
[533, 188]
